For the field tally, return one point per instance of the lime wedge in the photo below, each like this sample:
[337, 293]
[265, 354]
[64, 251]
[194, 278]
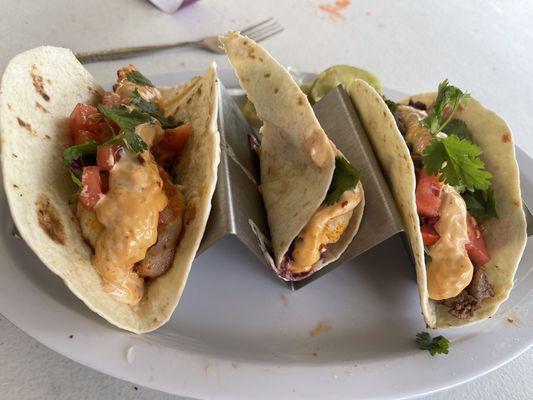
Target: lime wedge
[341, 75]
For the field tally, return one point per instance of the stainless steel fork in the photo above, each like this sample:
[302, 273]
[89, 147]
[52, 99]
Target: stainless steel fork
[256, 32]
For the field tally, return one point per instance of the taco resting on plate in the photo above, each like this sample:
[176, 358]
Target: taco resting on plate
[452, 169]
[111, 189]
[313, 197]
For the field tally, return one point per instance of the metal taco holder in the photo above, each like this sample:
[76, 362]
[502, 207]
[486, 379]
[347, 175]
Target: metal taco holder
[237, 206]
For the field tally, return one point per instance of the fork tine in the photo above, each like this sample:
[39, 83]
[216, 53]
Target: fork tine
[261, 31]
[244, 31]
[266, 34]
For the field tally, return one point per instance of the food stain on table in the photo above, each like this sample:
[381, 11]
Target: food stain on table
[334, 10]
[320, 328]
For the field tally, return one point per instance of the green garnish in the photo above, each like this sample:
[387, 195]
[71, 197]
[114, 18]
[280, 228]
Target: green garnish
[448, 97]
[454, 156]
[139, 79]
[127, 120]
[151, 109]
[345, 177]
[458, 162]
[391, 104]
[458, 128]
[74, 152]
[437, 345]
[78, 183]
[481, 203]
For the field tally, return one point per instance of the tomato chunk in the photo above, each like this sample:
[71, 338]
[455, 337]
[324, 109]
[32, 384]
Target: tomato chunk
[107, 156]
[429, 235]
[84, 127]
[92, 187]
[175, 139]
[428, 190]
[476, 248]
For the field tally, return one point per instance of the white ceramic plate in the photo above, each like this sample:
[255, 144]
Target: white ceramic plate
[238, 333]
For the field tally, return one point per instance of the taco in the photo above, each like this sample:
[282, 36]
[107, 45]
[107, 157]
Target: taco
[452, 169]
[144, 163]
[313, 198]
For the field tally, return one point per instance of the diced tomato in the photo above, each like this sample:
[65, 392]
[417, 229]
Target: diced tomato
[175, 139]
[428, 190]
[429, 234]
[92, 187]
[476, 248]
[84, 127]
[107, 156]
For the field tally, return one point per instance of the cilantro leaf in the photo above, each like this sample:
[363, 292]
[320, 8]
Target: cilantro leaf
[448, 98]
[139, 79]
[437, 345]
[481, 203]
[151, 109]
[458, 128]
[458, 162]
[345, 177]
[127, 120]
[78, 183]
[391, 104]
[74, 152]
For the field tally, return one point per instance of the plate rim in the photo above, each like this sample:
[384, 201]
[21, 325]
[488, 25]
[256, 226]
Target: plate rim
[122, 368]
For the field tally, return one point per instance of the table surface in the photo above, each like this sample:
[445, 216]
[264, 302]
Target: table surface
[486, 47]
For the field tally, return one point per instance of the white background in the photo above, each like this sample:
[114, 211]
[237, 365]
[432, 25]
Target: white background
[486, 47]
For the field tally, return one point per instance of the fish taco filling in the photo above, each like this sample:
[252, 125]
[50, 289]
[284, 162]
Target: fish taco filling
[453, 199]
[327, 224]
[128, 205]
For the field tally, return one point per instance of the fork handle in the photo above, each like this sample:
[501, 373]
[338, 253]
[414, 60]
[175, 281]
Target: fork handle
[119, 54]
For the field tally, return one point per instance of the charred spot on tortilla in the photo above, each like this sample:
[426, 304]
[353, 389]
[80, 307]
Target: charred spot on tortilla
[38, 82]
[516, 202]
[47, 137]
[506, 138]
[300, 101]
[26, 126]
[276, 90]
[14, 155]
[267, 75]
[15, 186]
[189, 100]
[9, 107]
[41, 107]
[49, 219]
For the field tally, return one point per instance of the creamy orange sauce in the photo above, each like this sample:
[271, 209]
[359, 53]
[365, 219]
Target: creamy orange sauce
[129, 213]
[326, 226]
[450, 269]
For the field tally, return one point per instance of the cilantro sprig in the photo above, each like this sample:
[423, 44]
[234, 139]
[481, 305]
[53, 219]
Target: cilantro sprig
[345, 177]
[453, 157]
[138, 78]
[74, 152]
[481, 203]
[78, 183]
[437, 345]
[448, 98]
[458, 162]
[127, 120]
[151, 109]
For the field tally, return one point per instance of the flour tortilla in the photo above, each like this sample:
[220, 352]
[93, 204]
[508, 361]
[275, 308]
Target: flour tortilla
[505, 237]
[39, 90]
[294, 180]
